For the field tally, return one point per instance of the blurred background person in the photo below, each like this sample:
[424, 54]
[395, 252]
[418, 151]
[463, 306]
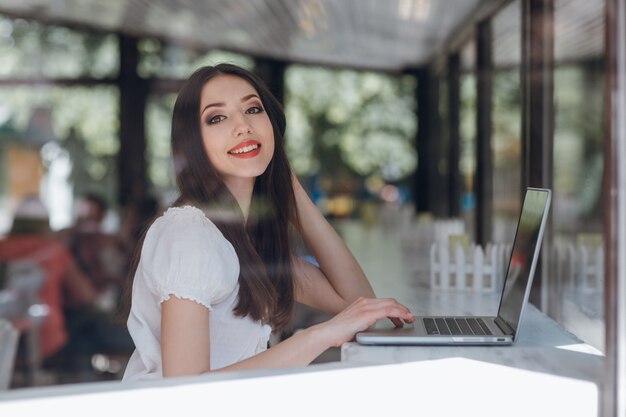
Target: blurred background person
[101, 256]
[30, 239]
[103, 259]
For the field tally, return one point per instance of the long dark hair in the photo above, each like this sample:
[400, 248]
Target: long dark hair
[266, 287]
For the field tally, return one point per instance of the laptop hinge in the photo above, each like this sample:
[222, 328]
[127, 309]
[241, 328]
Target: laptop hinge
[504, 326]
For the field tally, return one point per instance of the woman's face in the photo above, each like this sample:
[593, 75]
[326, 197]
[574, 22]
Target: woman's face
[236, 131]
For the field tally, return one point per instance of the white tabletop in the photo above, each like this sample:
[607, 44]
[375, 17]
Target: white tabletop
[447, 387]
[544, 349]
[543, 345]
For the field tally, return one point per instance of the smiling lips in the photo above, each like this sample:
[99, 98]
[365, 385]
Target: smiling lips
[247, 149]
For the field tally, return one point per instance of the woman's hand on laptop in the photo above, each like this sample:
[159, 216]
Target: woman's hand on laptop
[362, 314]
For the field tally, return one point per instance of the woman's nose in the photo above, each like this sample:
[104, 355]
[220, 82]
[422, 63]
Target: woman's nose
[242, 126]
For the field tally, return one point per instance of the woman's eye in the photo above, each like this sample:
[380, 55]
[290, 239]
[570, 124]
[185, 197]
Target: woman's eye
[254, 110]
[215, 119]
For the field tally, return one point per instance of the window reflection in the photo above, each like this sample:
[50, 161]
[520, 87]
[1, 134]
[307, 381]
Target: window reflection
[467, 131]
[75, 155]
[352, 139]
[578, 166]
[29, 48]
[506, 119]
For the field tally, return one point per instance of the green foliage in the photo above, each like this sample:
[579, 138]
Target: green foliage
[84, 119]
[350, 122]
[506, 116]
[170, 60]
[467, 128]
[30, 49]
[338, 121]
[579, 136]
[158, 148]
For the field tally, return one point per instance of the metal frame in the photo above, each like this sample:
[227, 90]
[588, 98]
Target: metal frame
[538, 125]
[421, 184]
[485, 11]
[132, 169]
[484, 154]
[272, 72]
[614, 401]
[454, 135]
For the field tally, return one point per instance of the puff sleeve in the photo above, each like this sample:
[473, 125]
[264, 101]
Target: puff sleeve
[185, 254]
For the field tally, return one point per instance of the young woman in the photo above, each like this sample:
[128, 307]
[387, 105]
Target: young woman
[216, 273]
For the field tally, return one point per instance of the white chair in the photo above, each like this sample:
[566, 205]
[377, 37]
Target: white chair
[8, 347]
[19, 300]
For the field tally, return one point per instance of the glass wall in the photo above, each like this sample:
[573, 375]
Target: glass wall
[574, 283]
[63, 137]
[506, 114]
[60, 129]
[351, 138]
[578, 258]
[467, 132]
[352, 142]
[31, 49]
[169, 60]
[59, 187]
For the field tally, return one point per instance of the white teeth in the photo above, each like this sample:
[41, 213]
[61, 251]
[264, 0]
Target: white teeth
[244, 149]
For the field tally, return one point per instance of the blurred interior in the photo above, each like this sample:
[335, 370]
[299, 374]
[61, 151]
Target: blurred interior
[401, 114]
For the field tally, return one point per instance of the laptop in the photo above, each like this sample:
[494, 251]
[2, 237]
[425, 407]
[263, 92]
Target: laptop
[501, 329]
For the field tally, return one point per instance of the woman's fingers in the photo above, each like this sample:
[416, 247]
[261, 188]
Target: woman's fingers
[391, 308]
[376, 309]
[362, 314]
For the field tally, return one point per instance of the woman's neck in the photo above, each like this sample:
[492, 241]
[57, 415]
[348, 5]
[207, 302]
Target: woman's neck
[241, 189]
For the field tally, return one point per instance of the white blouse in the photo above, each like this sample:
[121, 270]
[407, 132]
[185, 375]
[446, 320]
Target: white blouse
[184, 254]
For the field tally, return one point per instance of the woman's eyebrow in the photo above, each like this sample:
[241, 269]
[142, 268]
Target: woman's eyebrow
[249, 96]
[221, 104]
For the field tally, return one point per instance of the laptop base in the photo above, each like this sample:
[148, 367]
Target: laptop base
[417, 334]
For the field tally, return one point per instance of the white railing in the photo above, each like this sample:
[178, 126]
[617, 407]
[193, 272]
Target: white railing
[443, 229]
[580, 267]
[468, 269]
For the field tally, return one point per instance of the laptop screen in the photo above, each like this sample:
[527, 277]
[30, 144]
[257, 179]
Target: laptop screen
[524, 255]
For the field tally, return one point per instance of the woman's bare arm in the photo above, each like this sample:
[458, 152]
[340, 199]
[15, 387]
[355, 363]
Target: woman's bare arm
[314, 290]
[336, 262]
[185, 347]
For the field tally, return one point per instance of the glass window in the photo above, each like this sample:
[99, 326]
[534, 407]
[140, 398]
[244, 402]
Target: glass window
[467, 131]
[68, 139]
[158, 145]
[360, 126]
[168, 60]
[30, 49]
[578, 168]
[506, 117]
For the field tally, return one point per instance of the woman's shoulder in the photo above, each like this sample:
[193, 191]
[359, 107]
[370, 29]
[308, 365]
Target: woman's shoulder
[187, 229]
[185, 254]
[186, 213]
[184, 221]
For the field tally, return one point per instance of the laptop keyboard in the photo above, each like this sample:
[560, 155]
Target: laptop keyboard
[456, 326]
